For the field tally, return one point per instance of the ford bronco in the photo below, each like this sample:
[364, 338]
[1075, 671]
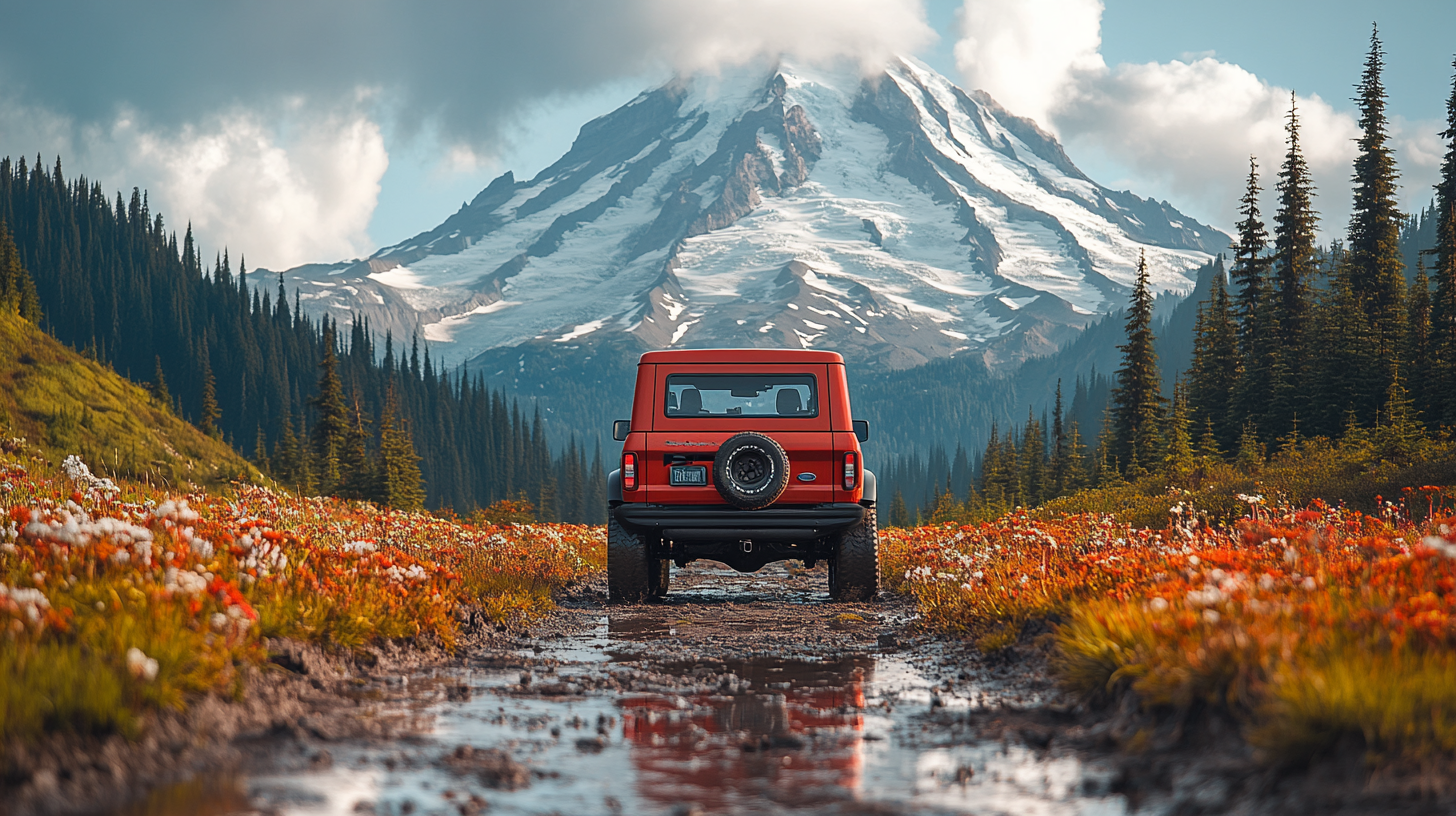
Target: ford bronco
[744, 456]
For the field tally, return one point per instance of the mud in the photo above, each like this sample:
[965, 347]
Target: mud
[737, 694]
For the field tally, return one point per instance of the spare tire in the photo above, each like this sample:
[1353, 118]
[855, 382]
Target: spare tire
[750, 471]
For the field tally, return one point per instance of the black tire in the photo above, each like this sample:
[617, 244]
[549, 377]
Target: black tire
[627, 567]
[854, 564]
[750, 471]
[659, 576]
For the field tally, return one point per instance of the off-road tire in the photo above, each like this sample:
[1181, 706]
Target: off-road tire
[750, 471]
[627, 568]
[659, 576]
[854, 563]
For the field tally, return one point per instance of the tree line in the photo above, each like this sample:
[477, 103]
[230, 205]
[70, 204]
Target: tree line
[320, 406]
[1296, 340]
[1311, 342]
[1046, 457]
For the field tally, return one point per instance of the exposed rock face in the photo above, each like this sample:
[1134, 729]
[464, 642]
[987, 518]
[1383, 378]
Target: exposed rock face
[897, 218]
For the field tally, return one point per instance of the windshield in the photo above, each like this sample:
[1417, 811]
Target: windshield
[741, 395]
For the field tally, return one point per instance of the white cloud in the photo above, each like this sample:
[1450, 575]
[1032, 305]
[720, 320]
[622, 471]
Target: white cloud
[1025, 53]
[292, 187]
[284, 191]
[281, 156]
[708, 34]
[1181, 130]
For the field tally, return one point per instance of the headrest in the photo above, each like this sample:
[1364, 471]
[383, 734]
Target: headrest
[789, 403]
[692, 402]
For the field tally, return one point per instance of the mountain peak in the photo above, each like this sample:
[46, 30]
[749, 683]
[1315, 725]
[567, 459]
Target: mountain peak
[894, 217]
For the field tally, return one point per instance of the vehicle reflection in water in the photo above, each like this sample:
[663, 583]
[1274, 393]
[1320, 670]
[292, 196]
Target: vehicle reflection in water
[785, 732]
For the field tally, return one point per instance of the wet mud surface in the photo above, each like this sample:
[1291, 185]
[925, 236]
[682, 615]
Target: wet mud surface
[739, 694]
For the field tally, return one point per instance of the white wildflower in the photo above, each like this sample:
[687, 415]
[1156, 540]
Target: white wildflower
[141, 666]
[1159, 604]
[1211, 615]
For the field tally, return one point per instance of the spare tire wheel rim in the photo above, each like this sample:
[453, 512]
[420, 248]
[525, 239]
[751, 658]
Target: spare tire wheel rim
[751, 468]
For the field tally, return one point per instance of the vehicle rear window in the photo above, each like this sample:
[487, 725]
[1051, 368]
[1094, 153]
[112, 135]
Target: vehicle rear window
[741, 395]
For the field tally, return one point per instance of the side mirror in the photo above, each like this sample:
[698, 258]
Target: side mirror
[620, 429]
[861, 429]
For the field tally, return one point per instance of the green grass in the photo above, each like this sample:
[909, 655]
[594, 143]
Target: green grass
[1353, 473]
[63, 403]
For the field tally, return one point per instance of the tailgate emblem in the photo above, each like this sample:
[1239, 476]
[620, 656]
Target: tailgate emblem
[806, 477]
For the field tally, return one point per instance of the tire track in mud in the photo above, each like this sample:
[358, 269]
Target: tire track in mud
[734, 694]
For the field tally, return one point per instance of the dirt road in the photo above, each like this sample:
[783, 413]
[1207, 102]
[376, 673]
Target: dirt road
[738, 694]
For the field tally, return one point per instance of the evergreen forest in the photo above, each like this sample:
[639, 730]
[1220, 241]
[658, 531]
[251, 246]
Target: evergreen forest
[321, 406]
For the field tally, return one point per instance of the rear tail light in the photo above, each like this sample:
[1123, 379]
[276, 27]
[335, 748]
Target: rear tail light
[629, 471]
[851, 470]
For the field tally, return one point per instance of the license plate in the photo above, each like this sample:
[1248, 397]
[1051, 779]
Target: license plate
[688, 476]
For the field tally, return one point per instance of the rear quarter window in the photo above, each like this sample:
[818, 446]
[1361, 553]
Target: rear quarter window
[741, 395]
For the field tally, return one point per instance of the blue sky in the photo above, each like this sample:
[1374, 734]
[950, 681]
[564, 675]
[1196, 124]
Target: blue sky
[321, 130]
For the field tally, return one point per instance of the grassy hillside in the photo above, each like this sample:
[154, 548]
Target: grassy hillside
[63, 403]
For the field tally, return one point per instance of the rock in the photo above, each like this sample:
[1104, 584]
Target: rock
[494, 767]
[592, 745]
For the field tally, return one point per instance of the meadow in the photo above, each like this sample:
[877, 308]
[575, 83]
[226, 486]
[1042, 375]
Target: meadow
[117, 598]
[1304, 621]
[1307, 625]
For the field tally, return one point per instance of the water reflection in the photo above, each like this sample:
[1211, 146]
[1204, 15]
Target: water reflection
[614, 733]
[787, 732]
[211, 796]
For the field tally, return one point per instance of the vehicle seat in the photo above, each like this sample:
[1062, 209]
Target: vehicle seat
[692, 402]
[788, 402]
[671, 404]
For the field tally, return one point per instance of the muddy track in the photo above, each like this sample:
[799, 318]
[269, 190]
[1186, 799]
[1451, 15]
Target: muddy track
[736, 694]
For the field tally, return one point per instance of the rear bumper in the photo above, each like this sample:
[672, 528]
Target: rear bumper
[692, 522]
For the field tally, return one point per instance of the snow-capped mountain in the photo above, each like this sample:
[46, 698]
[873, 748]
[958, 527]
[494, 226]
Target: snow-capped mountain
[896, 218]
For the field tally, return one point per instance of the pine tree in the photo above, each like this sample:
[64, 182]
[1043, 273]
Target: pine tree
[17, 288]
[1419, 353]
[1376, 270]
[158, 387]
[1076, 462]
[358, 472]
[1250, 454]
[1398, 434]
[332, 426]
[211, 411]
[1294, 267]
[1208, 447]
[398, 464]
[1443, 304]
[260, 450]
[1137, 400]
[899, 516]
[1214, 371]
[1059, 464]
[1255, 312]
[1178, 460]
[1033, 458]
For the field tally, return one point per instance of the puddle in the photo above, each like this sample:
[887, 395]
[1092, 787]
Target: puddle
[607, 733]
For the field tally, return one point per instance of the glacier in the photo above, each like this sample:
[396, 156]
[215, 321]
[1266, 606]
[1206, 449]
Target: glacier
[894, 217]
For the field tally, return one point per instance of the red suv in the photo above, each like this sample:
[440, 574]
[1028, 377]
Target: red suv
[744, 456]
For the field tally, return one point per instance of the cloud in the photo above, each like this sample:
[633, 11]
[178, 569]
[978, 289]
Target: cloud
[260, 122]
[281, 201]
[1025, 53]
[1182, 129]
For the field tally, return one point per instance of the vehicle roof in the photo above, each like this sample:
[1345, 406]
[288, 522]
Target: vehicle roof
[741, 356]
